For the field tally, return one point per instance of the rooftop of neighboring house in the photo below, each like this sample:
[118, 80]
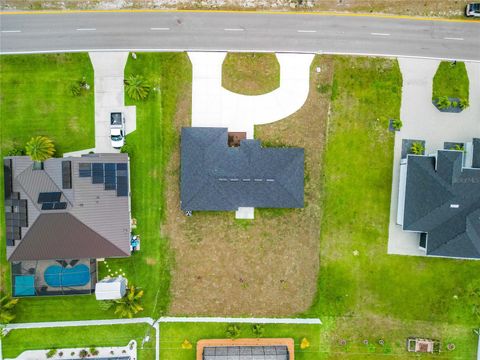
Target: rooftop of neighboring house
[67, 208]
[215, 176]
[442, 199]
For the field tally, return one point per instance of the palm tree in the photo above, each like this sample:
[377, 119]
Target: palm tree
[40, 148]
[137, 87]
[7, 308]
[129, 305]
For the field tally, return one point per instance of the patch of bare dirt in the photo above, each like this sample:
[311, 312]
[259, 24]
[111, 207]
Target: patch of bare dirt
[264, 267]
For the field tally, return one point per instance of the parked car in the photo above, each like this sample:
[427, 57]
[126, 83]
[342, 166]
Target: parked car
[117, 129]
[473, 10]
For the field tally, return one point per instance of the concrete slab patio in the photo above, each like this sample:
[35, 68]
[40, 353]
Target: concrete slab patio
[421, 120]
[109, 97]
[214, 106]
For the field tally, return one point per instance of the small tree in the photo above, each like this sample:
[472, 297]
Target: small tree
[304, 344]
[417, 148]
[40, 148]
[83, 354]
[137, 87]
[7, 309]
[258, 330]
[232, 331]
[16, 150]
[129, 305]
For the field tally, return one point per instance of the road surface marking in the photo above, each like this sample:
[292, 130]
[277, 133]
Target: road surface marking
[380, 34]
[452, 38]
[307, 31]
[86, 29]
[234, 29]
[159, 29]
[11, 31]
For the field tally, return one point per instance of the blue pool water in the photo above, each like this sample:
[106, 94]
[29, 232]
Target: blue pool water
[58, 276]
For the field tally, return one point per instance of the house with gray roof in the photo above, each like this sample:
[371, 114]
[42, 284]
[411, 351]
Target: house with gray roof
[60, 216]
[216, 177]
[442, 201]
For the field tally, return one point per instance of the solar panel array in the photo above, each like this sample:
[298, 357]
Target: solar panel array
[51, 201]
[245, 353]
[16, 217]
[66, 174]
[114, 176]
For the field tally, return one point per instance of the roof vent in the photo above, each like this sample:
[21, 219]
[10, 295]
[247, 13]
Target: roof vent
[454, 206]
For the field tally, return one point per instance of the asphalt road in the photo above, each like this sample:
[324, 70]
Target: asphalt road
[160, 31]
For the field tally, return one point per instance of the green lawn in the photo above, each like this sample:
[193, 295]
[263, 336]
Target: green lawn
[85, 337]
[250, 73]
[451, 80]
[372, 294]
[150, 147]
[173, 335]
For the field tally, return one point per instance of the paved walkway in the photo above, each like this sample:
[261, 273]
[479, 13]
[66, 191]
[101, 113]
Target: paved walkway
[109, 97]
[212, 105]
[422, 121]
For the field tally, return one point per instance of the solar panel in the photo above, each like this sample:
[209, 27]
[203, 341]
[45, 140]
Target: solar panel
[122, 186]
[7, 173]
[97, 173]
[66, 174]
[59, 205]
[49, 197]
[47, 206]
[110, 181]
[85, 169]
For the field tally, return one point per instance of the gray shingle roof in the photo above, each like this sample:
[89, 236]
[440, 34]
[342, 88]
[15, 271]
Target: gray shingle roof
[217, 177]
[95, 223]
[245, 353]
[442, 199]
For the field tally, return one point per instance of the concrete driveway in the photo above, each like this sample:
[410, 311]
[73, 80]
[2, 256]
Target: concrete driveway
[422, 121]
[109, 97]
[215, 106]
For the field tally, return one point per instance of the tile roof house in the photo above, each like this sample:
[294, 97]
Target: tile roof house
[64, 211]
[442, 202]
[217, 177]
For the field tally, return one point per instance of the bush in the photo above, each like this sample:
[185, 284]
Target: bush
[233, 331]
[51, 353]
[464, 103]
[258, 330]
[83, 354]
[397, 124]
[60, 354]
[417, 148]
[443, 102]
[137, 87]
[126, 149]
[17, 150]
[79, 87]
[93, 350]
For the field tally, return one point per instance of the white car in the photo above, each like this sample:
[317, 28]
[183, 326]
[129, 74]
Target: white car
[473, 10]
[117, 129]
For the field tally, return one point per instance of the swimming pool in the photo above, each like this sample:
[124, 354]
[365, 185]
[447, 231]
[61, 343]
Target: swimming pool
[58, 276]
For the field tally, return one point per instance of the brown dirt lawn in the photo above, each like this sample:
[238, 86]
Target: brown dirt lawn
[265, 267]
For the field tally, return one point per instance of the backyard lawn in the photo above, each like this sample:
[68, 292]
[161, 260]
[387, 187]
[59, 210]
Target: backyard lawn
[250, 73]
[451, 80]
[18, 341]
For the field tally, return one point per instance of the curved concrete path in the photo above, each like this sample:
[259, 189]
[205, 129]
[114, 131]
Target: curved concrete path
[215, 106]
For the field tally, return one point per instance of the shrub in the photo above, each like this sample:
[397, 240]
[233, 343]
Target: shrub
[417, 148]
[186, 345]
[458, 147]
[323, 88]
[72, 353]
[304, 344]
[464, 103]
[16, 150]
[397, 124]
[443, 102]
[79, 87]
[83, 354]
[51, 353]
[93, 351]
[7, 308]
[60, 353]
[233, 331]
[126, 149]
[137, 87]
[258, 330]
